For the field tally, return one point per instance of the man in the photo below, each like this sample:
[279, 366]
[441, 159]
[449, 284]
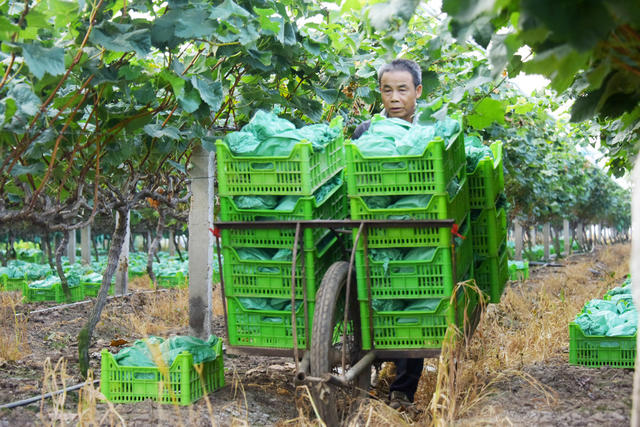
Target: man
[400, 86]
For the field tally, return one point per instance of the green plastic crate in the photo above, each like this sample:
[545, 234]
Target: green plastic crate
[9, 284]
[489, 230]
[92, 289]
[491, 275]
[428, 173]
[181, 384]
[439, 207]
[301, 173]
[179, 280]
[254, 278]
[415, 279]
[266, 328]
[402, 330]
[597, 350]
[516, 273]
[54, 293]
[486, 182]
[334, 206]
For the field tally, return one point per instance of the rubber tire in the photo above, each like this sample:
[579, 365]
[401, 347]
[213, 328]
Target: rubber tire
[325, 318]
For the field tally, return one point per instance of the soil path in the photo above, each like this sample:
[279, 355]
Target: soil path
[260, 391]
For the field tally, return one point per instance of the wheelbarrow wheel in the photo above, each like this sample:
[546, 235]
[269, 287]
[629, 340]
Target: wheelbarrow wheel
[328, 337]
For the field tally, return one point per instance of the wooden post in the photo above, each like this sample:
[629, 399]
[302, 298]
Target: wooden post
[546, 236]
[201, 242]
[122, 272]
[85, 244]
[71, 247]
[518, 236]
[567, 237]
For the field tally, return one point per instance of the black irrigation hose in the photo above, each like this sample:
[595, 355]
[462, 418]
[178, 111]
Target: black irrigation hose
[44, 396]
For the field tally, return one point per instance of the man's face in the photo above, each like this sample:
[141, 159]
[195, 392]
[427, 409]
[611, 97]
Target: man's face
[399, 94]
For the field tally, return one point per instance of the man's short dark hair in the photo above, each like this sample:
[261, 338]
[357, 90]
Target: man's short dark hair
[408, 65]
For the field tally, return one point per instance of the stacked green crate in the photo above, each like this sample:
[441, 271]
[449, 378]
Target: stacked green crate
[489, 224]
[258, 289]
[610, 333]
[411, 304]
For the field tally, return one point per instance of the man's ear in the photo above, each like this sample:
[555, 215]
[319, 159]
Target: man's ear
[418, 91]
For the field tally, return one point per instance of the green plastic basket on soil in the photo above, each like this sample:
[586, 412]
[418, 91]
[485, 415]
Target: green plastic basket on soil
[9, 284]
[299, 174]
[489, 231]
[255, 278]
[491, 275]
[402, 330]
[54, 293]
[415, 279]
[91, 289]
[428, 173]
[179, 280]
[487, 180]
[596, 350]
[439, 207]
[519, 273]
[334, 206]
[266, 328]
[180, 384]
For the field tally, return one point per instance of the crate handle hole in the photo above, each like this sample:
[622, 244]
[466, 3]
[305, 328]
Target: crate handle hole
[394, 165]
[262, 166]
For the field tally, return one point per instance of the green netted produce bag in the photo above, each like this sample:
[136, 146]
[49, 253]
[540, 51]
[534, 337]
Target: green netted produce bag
[139, 354]
[608, 317]
[268, 135]
[255, 202]
[475, 151]
[388, 137]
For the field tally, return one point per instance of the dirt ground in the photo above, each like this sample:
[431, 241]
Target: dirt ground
[260, 391]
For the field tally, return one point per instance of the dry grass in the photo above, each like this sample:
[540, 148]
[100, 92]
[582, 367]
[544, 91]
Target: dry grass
[13, 328]
[154, 313]
[529, 325]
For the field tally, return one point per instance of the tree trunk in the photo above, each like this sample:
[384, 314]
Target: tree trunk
[567, 237]
[62, 244]
[71, 247]
[176, 244]
[84, 337]
[47, 244]
[153, 248]
[122, 271]
[95, 247]
[85, 247]
[546, 237]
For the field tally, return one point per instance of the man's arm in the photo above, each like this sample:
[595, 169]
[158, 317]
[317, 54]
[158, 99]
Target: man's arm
[360, 129]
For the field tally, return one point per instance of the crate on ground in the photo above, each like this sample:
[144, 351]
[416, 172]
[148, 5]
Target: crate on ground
[596, 350]
[178, 280]
[269, 278]
[428, 173]
[518, 270]
[52, 293]
[300, 173]
[266, 328]
[400, 330]
[334, 206]
[183, 383]
[91, 289]
[486, 182]
[440, 206]
[12, 284]
[405, 279]
[489, 230]
[491, 275]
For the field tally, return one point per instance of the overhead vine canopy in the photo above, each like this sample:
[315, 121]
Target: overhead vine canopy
[101, 96]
